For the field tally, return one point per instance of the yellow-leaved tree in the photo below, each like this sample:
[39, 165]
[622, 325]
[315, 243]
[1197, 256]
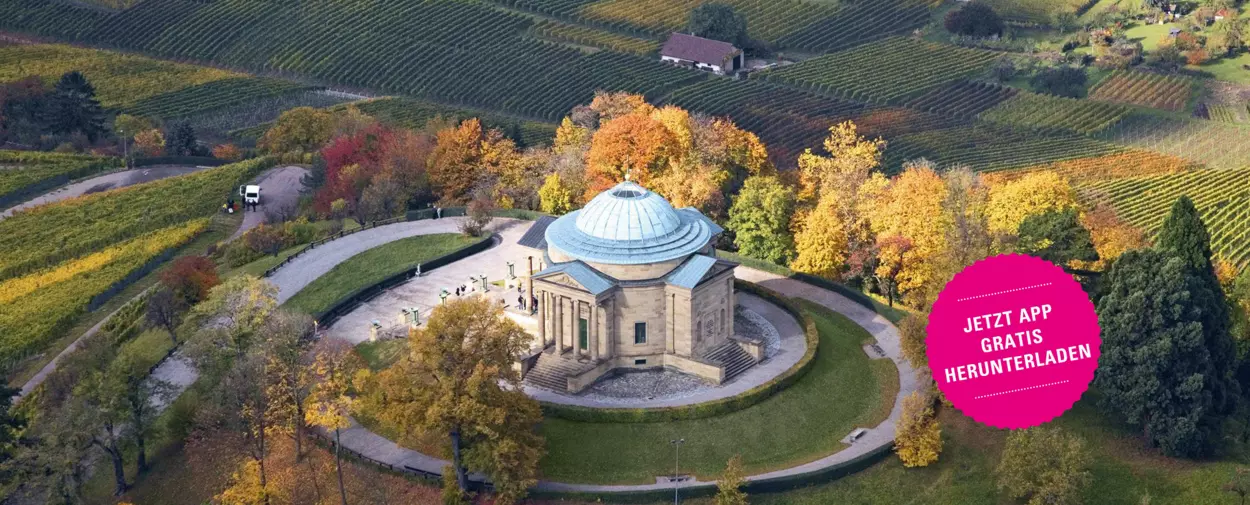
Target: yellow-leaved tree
[1011, 202]
[851, 159]
[457, 381]
[910, 224]
[245, 487]
[330, 403]
[918, 437]
[821, 242]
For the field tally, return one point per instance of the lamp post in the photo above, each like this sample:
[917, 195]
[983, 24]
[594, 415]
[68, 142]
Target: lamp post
[676, 464]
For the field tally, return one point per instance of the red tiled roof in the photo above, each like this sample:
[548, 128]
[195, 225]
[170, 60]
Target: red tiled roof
[699, 49]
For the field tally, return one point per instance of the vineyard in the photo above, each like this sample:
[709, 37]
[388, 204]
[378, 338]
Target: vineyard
[1082, 171]
[1222, 196]
[576, 34]
[431, 49]
[786, 24]
[766, 19]
[120, 80]
[986, 148]
[1047, 112]
[22, 174]
[790, 120]
[81, 226]
[1215, 144]
[36, 308]
[1167, 92]
[1038, 11]
[1225, 113]
[219, 122]
[963, 99]
[415, 114]
[213, 95]
[889, 71]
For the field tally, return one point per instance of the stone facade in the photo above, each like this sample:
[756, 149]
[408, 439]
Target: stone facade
[666, 302]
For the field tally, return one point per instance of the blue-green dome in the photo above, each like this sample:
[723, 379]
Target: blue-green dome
[628, 225]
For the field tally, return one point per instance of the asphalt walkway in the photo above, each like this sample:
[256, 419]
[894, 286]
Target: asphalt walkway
[315, 263]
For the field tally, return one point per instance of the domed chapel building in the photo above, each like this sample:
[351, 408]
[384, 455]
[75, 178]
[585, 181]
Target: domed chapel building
[632, 283]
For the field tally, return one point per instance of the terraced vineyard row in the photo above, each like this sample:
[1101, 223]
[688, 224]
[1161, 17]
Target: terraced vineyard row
[790, 120]
[858, 23]
[427, 48]
[24, 171]
[1222, 196]
[84, 225]
[787, 24]
[890, 71]
[1225, 113]
[987, 148]
[121, 80]
[565, 32]
[213, 95]
[415, 114]
[1215, 144]
[963, 98]
[766, 19]
[1167, 92]
[1051, 112]
[1038, 11]
[219, 122]
[38, 308]
[1082, 171]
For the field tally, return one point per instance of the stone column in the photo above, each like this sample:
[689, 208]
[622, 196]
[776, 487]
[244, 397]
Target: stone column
[542, 317]
[557, 305]
[593, 330]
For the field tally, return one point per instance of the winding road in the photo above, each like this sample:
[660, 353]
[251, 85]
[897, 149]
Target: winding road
[104, 182]
[299, 273]
[281, 184]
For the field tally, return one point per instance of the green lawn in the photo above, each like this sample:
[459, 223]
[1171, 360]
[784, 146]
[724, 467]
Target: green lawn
[805, 422]
[373, 266]
[383, 353]
[258, 267]
[1124, 470]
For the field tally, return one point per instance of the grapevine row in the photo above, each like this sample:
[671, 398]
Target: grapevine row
[1052, 112]
[963, 98]
[1168, 92]
[883, 72]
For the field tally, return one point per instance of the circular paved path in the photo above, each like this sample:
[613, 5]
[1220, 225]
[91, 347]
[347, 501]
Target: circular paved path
[299, 273]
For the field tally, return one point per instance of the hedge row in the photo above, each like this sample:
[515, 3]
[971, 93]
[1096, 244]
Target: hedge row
[715, 407]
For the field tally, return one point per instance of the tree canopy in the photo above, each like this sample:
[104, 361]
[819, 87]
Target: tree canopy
[718, 21]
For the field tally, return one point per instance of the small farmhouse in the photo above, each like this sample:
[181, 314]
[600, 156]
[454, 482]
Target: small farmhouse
[701, 53]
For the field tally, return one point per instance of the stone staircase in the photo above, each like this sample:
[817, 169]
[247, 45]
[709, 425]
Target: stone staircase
[552, 370]
[732, 358]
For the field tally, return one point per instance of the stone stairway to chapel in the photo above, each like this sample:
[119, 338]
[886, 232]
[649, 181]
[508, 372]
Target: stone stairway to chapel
[732, 358]
[553, 369]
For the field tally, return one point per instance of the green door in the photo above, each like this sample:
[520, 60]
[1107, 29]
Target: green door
[583, 335]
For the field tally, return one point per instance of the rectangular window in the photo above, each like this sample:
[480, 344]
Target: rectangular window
[640, 362]
[640, 333]
[583, 333]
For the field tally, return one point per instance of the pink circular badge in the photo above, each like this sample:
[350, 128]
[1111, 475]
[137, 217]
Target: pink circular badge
[1013, 341]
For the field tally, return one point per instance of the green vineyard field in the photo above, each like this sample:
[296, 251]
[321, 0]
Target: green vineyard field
[889, 71]
[1222, 196]
[1045, 112]
[987, 148]
[1212, 143]
[1167, 92]
[23, 170]
[212, 96]
[423, 48]
[120, 80]
[415, 114]
[582, 35]
[963, 99]
[1038, 11]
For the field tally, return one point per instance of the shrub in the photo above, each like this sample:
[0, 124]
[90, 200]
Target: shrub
[1060, 81]
[975, 19]
[227, 152]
